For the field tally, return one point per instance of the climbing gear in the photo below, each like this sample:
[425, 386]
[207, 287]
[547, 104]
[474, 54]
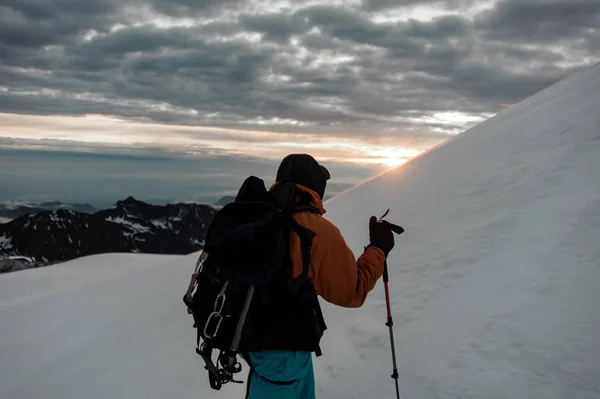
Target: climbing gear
[242, 296]
[390, 322]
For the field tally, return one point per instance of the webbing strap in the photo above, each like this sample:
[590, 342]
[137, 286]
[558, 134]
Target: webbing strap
[213, 370]
[306, 236]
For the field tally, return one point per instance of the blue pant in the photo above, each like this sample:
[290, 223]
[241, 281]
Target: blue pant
[293, 371]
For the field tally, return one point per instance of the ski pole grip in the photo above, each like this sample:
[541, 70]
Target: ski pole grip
[386, 278]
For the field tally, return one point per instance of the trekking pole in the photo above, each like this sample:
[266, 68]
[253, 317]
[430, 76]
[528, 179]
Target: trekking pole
[390, 321]
[390, 324]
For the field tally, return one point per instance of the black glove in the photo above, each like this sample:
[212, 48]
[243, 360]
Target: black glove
[381, 234]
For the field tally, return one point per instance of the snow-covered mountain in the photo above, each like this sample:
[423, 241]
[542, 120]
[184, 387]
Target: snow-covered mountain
[12, 210]
[130, 226]
[56, 205]
[494, 285]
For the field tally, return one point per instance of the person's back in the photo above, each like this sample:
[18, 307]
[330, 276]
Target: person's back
[334, 272]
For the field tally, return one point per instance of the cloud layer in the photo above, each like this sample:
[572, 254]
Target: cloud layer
[101, 174]
[347, 69]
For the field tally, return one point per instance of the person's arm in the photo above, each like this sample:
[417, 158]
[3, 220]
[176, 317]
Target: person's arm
[340, 278]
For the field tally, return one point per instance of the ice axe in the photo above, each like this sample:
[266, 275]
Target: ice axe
[390, 322]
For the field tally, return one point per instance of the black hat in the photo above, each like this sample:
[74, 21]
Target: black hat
[303, 169]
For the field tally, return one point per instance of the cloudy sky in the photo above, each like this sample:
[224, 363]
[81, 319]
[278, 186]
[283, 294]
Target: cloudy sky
[179, 99]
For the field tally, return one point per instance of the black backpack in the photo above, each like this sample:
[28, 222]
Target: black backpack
[245, 299]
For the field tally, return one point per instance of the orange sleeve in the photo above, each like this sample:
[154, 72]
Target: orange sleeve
[338, 277]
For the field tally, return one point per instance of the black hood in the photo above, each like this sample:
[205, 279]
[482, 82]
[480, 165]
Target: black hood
[303, 169]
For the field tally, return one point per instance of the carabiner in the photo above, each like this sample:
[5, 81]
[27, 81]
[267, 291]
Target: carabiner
[220, 299]
[219, 303]
[216, 329]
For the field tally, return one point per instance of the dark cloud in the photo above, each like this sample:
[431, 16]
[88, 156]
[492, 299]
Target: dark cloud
[34, 23]
[314, 68]
[184, 8]
[383, 5]
[276, 27]
[378, 5]
[540, 20]
[40, 10]
[445, 27]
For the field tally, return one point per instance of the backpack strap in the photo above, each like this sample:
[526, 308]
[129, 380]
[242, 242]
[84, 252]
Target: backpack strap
[302, 286]
[306, 236]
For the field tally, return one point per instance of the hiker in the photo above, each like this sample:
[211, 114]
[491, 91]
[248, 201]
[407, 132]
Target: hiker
[334, 272]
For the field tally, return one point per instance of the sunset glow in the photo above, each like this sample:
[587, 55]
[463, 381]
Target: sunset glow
[177, 100]
[393, 162]
[97, 131]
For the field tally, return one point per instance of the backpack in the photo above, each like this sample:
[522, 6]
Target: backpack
[245, 299]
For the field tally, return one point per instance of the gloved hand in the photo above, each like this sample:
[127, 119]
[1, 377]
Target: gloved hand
[381, 234]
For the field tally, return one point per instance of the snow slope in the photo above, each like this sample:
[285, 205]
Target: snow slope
[494, 284]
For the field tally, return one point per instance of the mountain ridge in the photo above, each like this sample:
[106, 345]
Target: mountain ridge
[130, 226]
[11, 210]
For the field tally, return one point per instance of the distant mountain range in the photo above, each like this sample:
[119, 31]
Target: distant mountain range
[58, 235]
[13, 210]
[225, 200]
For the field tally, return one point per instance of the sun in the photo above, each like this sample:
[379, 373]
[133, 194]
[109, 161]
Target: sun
[392, 162]
[393, 156]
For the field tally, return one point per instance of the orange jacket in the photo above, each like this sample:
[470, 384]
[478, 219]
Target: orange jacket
[334, 272]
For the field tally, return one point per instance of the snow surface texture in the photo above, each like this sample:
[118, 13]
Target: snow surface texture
[494, 284]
